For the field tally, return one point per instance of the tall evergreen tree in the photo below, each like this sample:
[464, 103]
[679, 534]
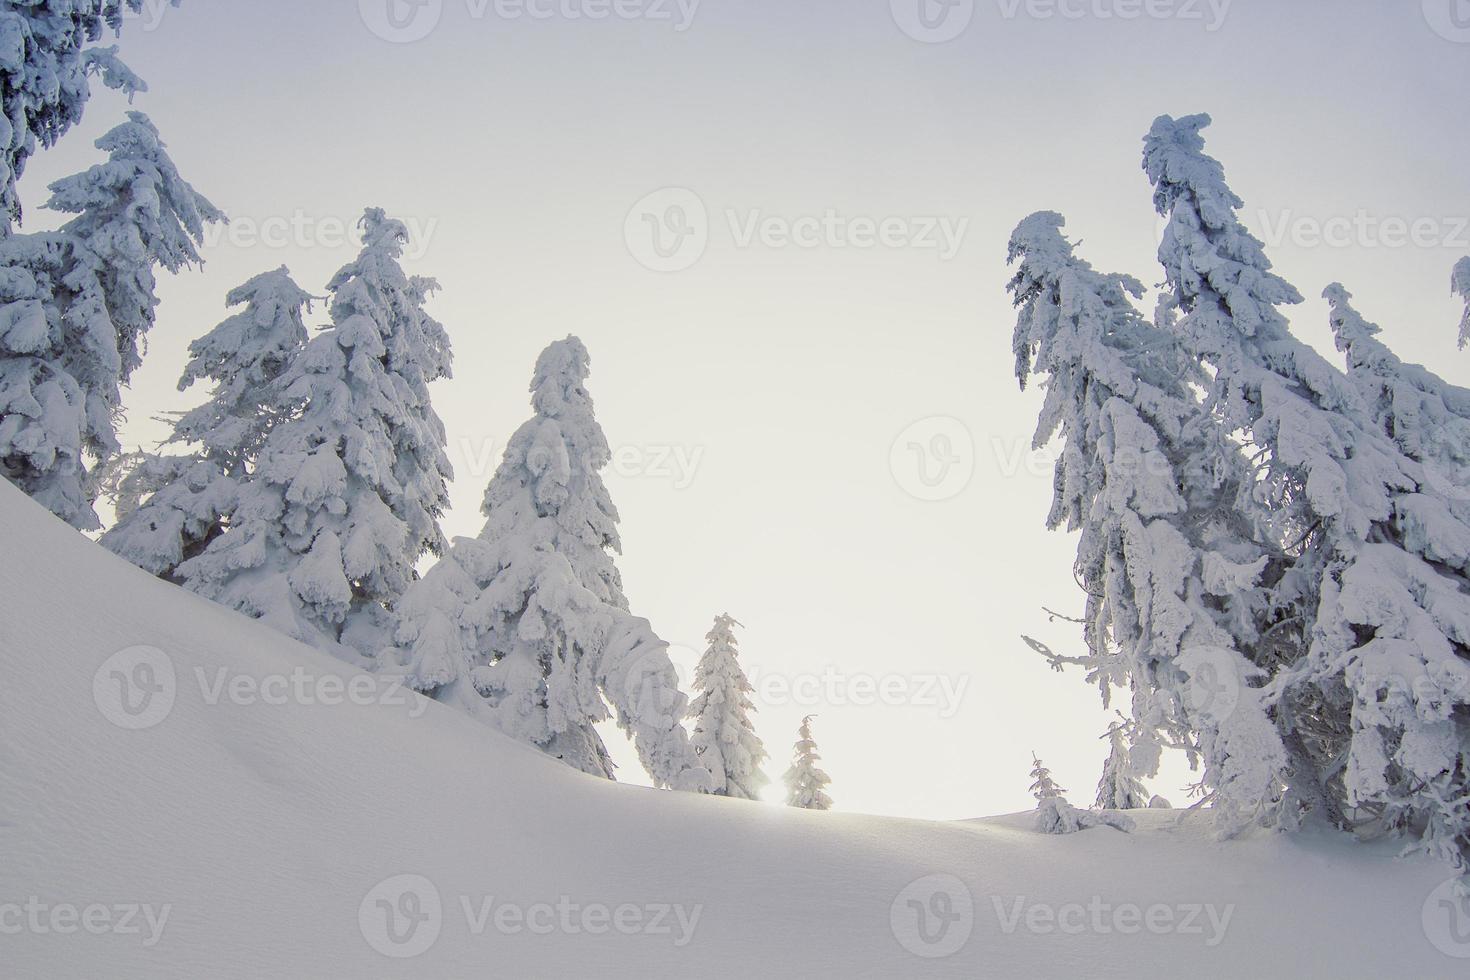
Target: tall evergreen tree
[345, 497]
[806, 782]
[724, 738]
[1054, 815]
[170, 507]
[1366, 599]
[1169, 565]
[1427, 418]
[245, 356]
[1321, 485]
[74, 307]
[1311, 647]
[1043, 787]
[45, 64]
[526, 625]
[1396, 621]
[1119, 788]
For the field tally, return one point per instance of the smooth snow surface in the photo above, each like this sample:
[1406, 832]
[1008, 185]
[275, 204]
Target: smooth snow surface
[265, 830]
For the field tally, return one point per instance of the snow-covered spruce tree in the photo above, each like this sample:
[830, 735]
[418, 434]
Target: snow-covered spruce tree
[1319, 483]
[245, 356]
[1460, 283]
[134, 213]
[45, 64]
[526, 626]
[1427, 417]
[345, 496]
[170, 507]
[1119, 788]
[1169, 565]
[1364, 619]
[1396, 624]
[74, 306]
[806, 782]
[1054, 815]
[1043, 787]
[724, 738]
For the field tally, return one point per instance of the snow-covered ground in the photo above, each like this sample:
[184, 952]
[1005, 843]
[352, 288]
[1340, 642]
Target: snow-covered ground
[184, 793]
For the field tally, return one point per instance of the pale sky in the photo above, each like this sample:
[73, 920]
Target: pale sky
[780, 402]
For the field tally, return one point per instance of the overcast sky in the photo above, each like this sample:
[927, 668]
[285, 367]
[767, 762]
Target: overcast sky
[780, 228]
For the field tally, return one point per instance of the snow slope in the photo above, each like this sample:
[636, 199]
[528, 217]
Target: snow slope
[267, 830]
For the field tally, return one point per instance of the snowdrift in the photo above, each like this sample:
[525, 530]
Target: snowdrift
[186, 794]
